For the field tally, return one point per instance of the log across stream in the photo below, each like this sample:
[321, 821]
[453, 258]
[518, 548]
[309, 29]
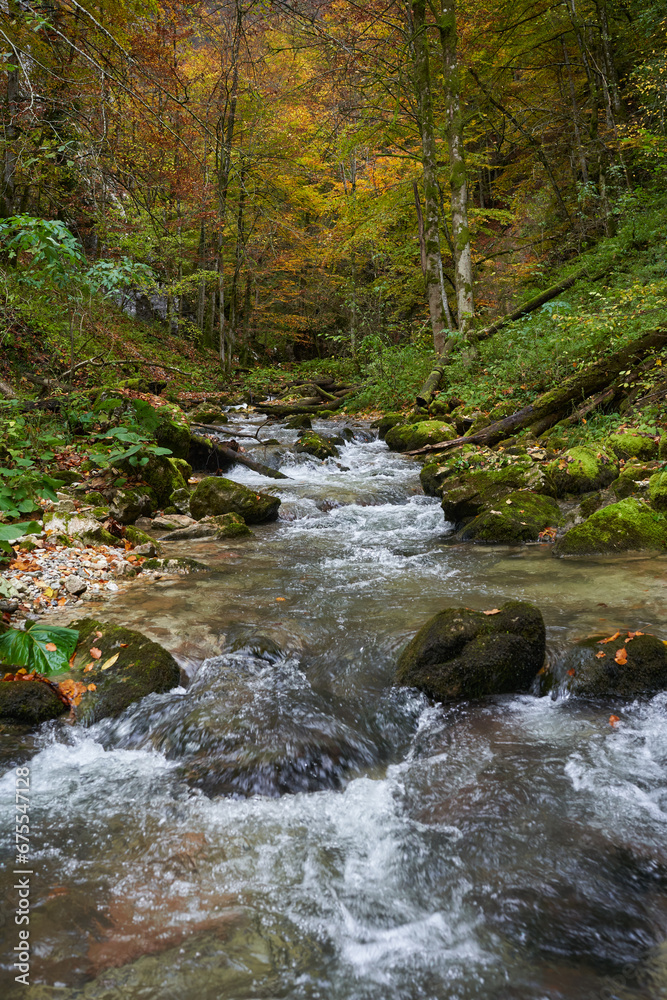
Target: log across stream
[291, 825]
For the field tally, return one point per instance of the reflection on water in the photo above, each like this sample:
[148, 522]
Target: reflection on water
[514, 849]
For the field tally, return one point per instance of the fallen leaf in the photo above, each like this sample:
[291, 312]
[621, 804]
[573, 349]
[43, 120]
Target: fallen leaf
[51, 646]
[92, 687]
[281, 598]
[613, 719]
[600, 655]
[572, 672]
[621, 655]
[610, 639]
[95, 653]
[493, 611]
[123, 645]
[508, 501]
[110, 662]
[88, 666]
[99, 635]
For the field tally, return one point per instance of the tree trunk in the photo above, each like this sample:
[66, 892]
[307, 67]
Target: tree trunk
[422, 84]
[202, 447]
[8, 193]
[445, 14]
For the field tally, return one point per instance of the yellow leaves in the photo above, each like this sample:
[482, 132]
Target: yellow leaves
[610, 639]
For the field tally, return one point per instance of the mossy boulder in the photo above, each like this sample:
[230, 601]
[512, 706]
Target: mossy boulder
[162, 474]
[81, 527]
[408, 437]
[217, 495]
[629, 525]
[591, 668]
[168, 425]
[590, 503]
[128, 504]
[138, 537]
[207, 414]
[581, 470]
[298, 422]
[123, 665]
[437, 470]
[471, 493]
[632, 444]
[385, 423]
[519, 517]
[461, 654]
[29, 702]
[314, 444]
[633, 479]
[180, 501]
[228, 526]
[657, 490]
[662, 447]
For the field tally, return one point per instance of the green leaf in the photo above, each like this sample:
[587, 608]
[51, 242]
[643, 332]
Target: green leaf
[28, 648]
[10, 532]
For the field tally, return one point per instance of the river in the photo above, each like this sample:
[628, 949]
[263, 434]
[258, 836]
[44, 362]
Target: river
[290, 825]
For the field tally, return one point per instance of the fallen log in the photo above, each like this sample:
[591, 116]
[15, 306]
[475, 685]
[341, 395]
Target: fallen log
[550, 408]
[285, 410]
[430, 387]
[200, 444]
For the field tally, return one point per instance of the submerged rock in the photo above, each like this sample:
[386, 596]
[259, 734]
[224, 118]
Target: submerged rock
[581, 470]
[519, 517]
[217, 495]
[592, 668]
[29, 702]
[314, 444]
[408, 436]
[461, 654]
[126, 667]
[629, 525]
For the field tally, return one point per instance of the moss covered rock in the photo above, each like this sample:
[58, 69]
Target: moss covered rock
[298, 422]
[632, 444]
[207, 414]
[629, 525]
[519, 517]
[129, 666]
[168, 425]
[314, 444]
[436, 471]
[77, 526]
[657, 490]
[162, 474]
[128, 504]
[180, 501]
[581, 470]
[137, 537]
[385, 423]
[228, 526]
[471, 493]
[408, 437]
[29, 702]
[633, 479]
[461, 653]
[217, 495]
[592, 669]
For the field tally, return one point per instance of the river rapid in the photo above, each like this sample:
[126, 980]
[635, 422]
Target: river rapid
[290, 825]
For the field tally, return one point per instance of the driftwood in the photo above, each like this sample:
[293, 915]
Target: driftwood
[200, 445]
[551, 407]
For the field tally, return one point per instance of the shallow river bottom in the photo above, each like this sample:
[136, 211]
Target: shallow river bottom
[292, 826]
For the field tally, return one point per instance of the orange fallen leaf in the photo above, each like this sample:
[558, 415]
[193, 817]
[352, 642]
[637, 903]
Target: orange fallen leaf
[281, 598]
[631, 635]
[621, 655]
[95, 653]
[613, 719]
[611, 638]
[571, 672]
[493, 611]
[92, 687]
[63, 600]
[88, 667]
[600, 655]
[123, 645]
[99, 635]
[51, 646]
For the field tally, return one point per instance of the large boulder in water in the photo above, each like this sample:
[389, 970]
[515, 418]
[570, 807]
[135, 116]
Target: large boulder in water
[518, 517]
[312, 443]
[473, 492]
[29, 702]
[626, 665]
[630, 525]
[460, 654]
[217, 495]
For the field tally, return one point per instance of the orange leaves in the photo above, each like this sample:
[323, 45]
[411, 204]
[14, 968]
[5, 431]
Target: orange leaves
[548, 535]
[95, 653]
[493, 611]
[51, 646]
[621, 656]
[75, 690]
[613, 719]
[611, 638]
[600, 655]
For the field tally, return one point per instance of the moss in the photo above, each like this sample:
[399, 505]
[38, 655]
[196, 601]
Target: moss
[662, 447]
[83, 527]
[657, 490]
[631, 444]
[386, 423]
[140, 667]
[407, 437]
[461, 653]
[174, 436]
[519, 517]
[625, 526]
[581, 470]
[590, 504]
[137, 537]
[100, 513]
[217, 495]
[434, 474]
[584, 672]
[300, 421]
[207, 414]
[29, 702]
[162, 474]
[129, 504]
[180, 501]
[314, 444]
[95, 498]
[633, 479]
[472, 492]
[228, 526]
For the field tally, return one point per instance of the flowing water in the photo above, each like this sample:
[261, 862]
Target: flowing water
[290, 825]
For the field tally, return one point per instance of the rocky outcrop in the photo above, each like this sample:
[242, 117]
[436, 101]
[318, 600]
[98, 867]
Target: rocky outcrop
[461, 654]
[581, 470]
[518, 517]
[629, 525]
[217, 495]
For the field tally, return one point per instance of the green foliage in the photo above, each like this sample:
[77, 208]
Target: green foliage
[10, 532]
[45, 648]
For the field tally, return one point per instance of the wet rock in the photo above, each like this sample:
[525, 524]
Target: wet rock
[629, 525]
[407, 437]
[471, 493]
[146, 549]
[129, 667]
[590, 503]
[138, 537]
[228, 526]
[386, 422]
[195, 530]
[29, 702]
[127, 505]
[581, 470]
[300, 421]
[584, 671]
[519, 517]
[81, 527]
[439, 469]
[9, 605]
[180, 500]
[217, 495]
[172, 522]
[632, 444]
[314, 444]
[657, 490]
[633, 479]
[75, 585]
[461, 654]
[172, 565]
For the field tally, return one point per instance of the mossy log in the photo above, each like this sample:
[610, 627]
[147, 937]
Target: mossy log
[201, 444]
[551, 407]
[430, 386]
